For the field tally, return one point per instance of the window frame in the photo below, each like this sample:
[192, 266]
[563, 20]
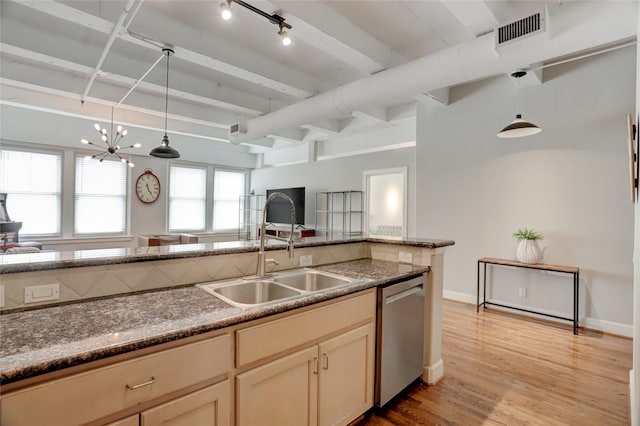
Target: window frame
[127, 201]
[209, 195]
[60, 153]
[213, 198]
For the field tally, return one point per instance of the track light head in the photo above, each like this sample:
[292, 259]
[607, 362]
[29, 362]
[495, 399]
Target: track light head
[225, 11]
[286, 40]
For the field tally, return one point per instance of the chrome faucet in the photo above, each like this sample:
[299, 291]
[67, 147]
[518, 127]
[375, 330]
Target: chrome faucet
[261, 271]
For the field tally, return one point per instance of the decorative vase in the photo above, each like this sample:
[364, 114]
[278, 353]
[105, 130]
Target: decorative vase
[529, 252]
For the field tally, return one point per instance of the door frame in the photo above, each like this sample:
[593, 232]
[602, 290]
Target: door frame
[405, 183]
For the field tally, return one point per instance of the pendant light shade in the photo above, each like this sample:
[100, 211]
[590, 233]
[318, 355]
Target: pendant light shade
[164, 150]
[519, 128]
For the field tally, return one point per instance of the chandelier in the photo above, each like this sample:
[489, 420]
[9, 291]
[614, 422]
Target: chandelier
[111, 145]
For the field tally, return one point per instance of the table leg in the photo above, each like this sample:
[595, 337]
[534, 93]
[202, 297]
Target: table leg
[576, 301]
[478, 290]
[484, 288]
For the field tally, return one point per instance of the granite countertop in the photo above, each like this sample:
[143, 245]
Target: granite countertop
[48, 260]
[43, 340]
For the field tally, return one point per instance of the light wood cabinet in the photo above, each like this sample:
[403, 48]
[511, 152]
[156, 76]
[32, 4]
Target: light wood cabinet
[282, 392]
[346, 376]
[85, 397]
[206, 407]
[129, 421]
[327, 383]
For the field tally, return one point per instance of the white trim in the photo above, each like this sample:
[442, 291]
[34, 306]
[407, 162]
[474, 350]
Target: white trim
[431, 374]
[392, 147]
[633, 389]
[458, 297]
[611, 327]
[404, 170]
[84, 240]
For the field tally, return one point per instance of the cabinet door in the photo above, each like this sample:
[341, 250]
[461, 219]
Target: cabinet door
[346, 376]
[207, 407]
[282, 392]
[129, 421]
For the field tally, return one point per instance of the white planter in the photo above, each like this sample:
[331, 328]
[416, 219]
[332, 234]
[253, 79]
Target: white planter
[529, 252]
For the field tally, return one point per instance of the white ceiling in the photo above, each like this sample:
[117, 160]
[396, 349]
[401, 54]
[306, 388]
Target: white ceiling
[228, 72]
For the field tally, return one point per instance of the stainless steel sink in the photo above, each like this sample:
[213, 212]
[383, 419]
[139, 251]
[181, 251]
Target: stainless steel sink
[310, 280]
[250, 293]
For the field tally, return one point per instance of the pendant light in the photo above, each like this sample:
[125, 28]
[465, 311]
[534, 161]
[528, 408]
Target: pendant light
[164, 150]
[519, 127]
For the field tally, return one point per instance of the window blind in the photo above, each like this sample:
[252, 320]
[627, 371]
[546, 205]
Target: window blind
[100, 196]
[187, 198]
[32, 181]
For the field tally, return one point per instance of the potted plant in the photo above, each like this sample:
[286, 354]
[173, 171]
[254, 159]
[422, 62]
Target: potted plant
[528, 249]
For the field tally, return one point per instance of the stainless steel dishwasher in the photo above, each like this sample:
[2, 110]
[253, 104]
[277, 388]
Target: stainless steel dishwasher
[400, 343]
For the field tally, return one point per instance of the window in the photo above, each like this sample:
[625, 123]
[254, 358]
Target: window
[101, 196]
[187, 198]
[32, 182]
[227, 189]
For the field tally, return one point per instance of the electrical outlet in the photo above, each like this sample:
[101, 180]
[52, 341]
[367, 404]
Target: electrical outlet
[41, 293]
[1, 296]
[306, 260]
[405, 257]
[523, 292]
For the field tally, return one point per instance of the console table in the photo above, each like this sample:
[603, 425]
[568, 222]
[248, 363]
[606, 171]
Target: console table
[570, 270]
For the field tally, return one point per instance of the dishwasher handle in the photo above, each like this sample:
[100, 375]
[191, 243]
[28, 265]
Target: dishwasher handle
[402, 295]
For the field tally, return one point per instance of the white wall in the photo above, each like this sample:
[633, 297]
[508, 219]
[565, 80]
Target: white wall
[337, 174]
[570, 182]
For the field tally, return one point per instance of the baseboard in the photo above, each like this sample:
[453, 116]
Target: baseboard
[610, 327]
[433, 373]
[459, 297]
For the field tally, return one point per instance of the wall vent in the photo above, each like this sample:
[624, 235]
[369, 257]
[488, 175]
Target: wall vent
[518, 30]
[235, 128]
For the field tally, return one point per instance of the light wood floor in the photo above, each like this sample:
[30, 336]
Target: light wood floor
[504, 369]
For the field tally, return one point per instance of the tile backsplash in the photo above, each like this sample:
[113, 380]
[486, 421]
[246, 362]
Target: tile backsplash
[97, 281]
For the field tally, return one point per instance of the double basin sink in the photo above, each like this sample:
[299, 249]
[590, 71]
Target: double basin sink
[249, 292]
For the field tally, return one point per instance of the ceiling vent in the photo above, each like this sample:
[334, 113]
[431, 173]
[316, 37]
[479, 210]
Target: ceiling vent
[521, 29]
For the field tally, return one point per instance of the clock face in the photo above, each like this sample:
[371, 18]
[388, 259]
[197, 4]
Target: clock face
[148, 187]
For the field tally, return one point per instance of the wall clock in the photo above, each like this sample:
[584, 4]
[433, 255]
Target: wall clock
[148, 187]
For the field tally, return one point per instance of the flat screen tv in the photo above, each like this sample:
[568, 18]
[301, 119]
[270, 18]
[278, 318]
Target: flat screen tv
[279, 210]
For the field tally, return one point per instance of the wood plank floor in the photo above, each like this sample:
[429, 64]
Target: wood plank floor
[503, 369]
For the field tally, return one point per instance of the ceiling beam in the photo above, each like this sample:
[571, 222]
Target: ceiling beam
[320, 26]
[58, 102]
[67, 13]
[120, 80]
[475, 15]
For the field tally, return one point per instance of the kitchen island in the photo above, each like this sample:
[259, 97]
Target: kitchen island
[41, 344]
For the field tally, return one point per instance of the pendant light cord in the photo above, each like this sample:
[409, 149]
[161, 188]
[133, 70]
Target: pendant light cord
[166, 97]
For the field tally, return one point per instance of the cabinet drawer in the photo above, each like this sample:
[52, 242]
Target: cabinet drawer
[264, 340]
[87, 396]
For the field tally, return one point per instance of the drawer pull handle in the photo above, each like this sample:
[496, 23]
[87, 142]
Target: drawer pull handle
[150, 382]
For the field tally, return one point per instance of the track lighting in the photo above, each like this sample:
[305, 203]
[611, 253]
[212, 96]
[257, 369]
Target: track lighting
[286, 41]
[225, 12]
